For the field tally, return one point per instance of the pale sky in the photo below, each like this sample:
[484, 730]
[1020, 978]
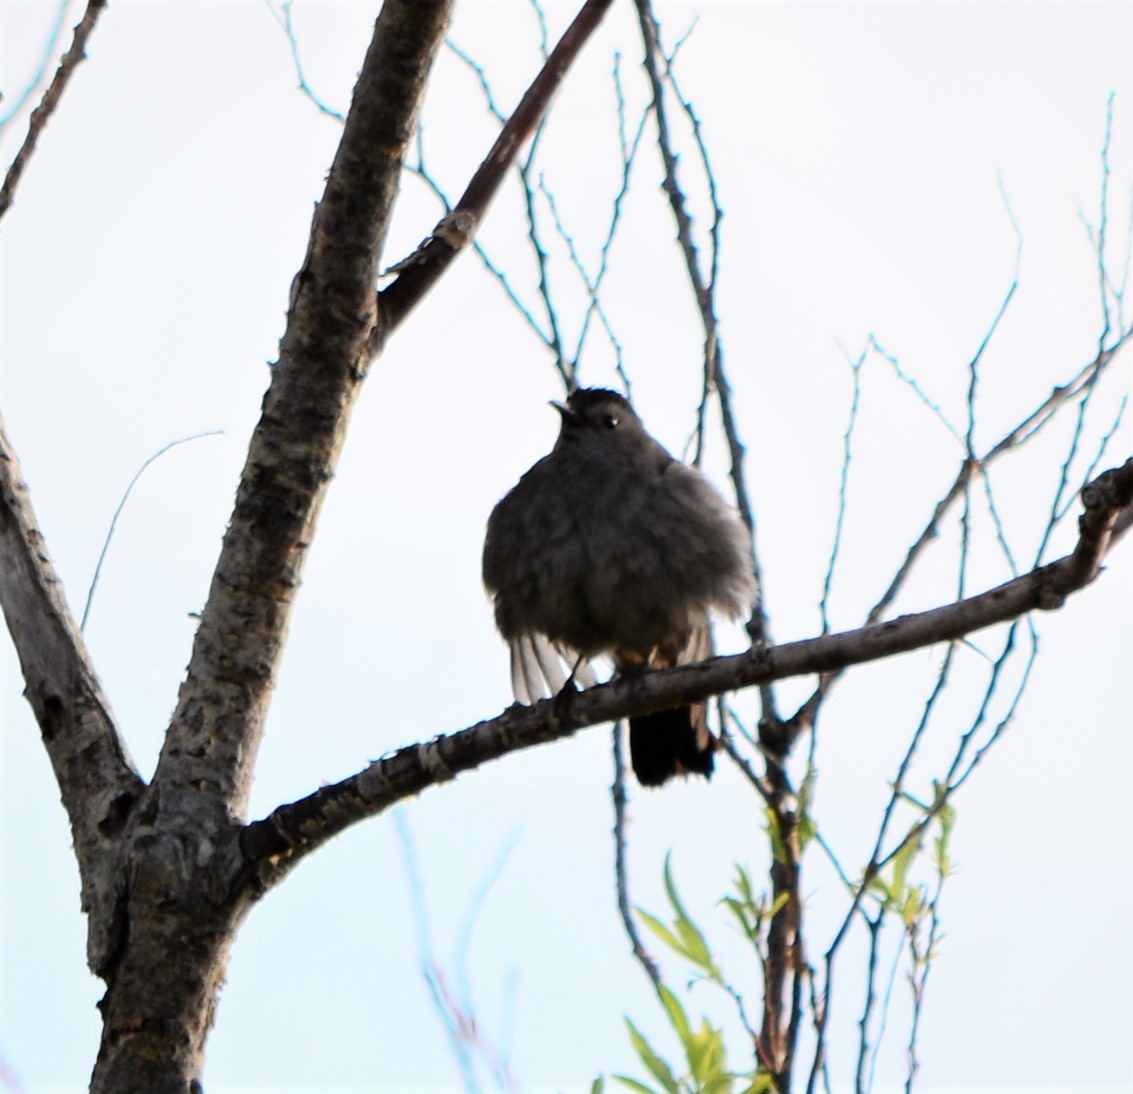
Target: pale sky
[860, 151]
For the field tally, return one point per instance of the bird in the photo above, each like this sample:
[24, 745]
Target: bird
[611, 546]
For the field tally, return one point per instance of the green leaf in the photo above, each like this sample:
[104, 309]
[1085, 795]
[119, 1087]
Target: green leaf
[774, 834]
[677, 1017]
[661, 931]
[744, 886]
[807, 825]
[696, 948]
[881, 889]
[722, 1083]
[946, 818]
[807, 829]
[914, 903]
[902, 860]
[738, 910]
[747, 913]
[633, 1084]
[706, 1054]
[747, 918]
[653, 1063]
[598, 1086]
[725, 1082]
[761, 1083]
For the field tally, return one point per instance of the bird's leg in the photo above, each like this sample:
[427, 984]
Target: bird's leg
[573, 672]
[569, 690]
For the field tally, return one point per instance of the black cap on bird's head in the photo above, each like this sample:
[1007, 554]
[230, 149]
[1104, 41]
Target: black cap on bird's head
[595, 408]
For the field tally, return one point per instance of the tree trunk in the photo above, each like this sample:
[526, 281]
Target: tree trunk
[183, 901]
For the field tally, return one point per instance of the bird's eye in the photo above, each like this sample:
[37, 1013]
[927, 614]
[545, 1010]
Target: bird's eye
[610, 421]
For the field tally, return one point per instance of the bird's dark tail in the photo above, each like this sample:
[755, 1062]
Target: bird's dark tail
[668, 743]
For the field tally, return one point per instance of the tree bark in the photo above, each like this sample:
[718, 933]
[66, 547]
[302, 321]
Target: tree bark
[181, 883]
[167, 872]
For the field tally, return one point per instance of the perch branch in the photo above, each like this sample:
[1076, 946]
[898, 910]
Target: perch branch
[273, 845]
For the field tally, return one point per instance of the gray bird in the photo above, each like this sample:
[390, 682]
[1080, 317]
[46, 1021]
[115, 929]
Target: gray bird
[611, 546]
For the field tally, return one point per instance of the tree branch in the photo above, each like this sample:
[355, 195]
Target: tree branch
[704, 291]
[273, 845]
[1060, 397]
[96, 778]
[324, 356]
[419, 273]
[41, 115]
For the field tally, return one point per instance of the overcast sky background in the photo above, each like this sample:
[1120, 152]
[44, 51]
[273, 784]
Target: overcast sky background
[859, 150]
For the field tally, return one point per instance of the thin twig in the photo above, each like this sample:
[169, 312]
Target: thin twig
[122, 505]
[14, 105]
[457, 1012]
[884, 1011]
[1099, 455]
[541, 262]
[621, 875]
[1025, 431]
[875, 926]
[1064, 475]
[997, 522]
[282, 16]
[704, 293]
[914, 385]
[876, 859]
[922, 962]
[1103, 222]
[397, 300]
[51, 97]
[419, 170]
[758, 782]
[551, 336]
[843, 482]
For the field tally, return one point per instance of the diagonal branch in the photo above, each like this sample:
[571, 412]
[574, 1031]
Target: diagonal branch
[704, 290]
[418, 274]
[96, 778]
[1028, 428]
[324, 356]
[41, 115]
[274, 845]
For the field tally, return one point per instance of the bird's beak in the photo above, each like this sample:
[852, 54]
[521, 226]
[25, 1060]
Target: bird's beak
[568, 415]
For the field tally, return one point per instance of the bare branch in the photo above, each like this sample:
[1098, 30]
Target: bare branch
[455, 1007]
[1027, 429]
[876, 861]
[118, 512]
[704, 290]
[915, 386]
[1103, 224]
[421, 171]
[96, 777]
[397, 300]
[14, 104]
[918, 978]
[41, 115]
[324, 356]
[276, 843]
[843, 483]
[283, 16]
[621, 875]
